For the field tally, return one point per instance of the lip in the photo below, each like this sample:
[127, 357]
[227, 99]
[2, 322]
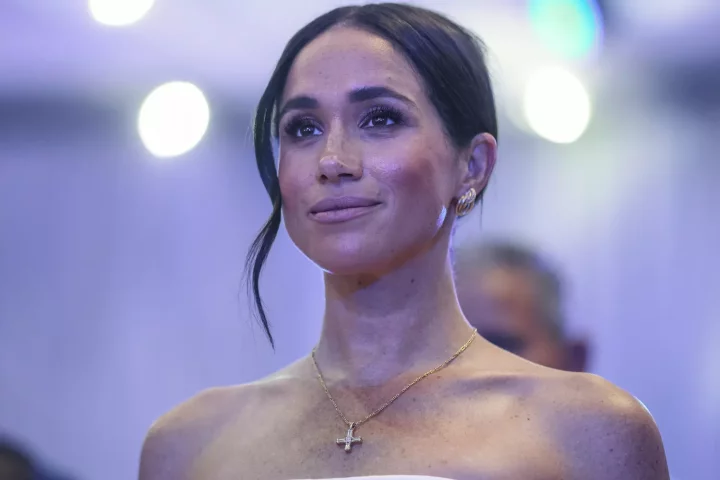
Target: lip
[341, 209]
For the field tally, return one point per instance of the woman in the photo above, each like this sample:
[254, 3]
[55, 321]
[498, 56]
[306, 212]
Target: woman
[386, 126]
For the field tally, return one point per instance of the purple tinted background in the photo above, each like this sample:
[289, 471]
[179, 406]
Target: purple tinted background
[120, 274]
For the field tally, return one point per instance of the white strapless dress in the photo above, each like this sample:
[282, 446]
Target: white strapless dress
[388, 477]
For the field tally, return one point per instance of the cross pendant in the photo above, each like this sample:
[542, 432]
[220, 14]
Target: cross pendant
[349, 439]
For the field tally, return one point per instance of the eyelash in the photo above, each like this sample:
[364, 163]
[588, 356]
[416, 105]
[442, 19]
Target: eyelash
[387, 111]
[390, 113]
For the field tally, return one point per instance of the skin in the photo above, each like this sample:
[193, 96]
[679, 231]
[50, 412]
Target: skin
[504, 304]
[391, 314]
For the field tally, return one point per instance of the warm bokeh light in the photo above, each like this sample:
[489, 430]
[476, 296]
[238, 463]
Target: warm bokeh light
[556, 105]
[572, 28]
[119, 13]
[173, 119]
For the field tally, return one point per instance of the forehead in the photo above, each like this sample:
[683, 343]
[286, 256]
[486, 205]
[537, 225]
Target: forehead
[345, 58]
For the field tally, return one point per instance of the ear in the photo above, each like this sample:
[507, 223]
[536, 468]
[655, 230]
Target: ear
[478, 163]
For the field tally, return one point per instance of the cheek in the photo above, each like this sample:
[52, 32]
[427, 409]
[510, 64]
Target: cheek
[420, 181]
[293, 181]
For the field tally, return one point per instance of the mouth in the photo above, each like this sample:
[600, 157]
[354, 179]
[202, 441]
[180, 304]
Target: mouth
[342, 209]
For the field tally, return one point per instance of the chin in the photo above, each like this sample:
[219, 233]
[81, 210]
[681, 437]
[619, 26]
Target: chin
[349, 257]
[344, 263]
[372, 258]
[364, 250]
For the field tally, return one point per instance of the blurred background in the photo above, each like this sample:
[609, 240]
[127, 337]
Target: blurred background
[129, 196]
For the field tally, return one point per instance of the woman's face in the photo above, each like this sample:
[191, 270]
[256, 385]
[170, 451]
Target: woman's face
[366, 171]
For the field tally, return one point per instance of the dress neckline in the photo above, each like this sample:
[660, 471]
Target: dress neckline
[387, 477]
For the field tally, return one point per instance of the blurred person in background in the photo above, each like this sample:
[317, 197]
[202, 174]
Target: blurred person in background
[16, 463]
[514, 297]
[385, 120]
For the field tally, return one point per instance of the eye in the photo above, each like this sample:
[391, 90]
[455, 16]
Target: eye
[381, 117]
[302, 128]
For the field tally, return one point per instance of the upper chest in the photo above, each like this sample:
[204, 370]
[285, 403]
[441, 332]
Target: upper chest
[493, 438]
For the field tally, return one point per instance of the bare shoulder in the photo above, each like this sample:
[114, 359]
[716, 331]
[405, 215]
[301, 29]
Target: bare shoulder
[606, 432]
[599, 430]
[177, 438]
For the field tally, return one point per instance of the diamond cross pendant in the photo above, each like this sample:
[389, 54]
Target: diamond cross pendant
[349, 439]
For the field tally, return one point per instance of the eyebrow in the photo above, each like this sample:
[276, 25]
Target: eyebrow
[357, 95]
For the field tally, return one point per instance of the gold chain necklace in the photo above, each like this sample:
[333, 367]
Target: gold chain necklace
[350, 437]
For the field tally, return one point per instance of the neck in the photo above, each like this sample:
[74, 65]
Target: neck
[379, 327]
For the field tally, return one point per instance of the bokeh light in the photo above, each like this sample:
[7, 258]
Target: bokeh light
[571, 28]
[173, 119]
[556, 105]
[119, 13]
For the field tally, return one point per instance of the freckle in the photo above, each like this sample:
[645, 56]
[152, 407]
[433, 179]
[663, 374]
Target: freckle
[528, 419]
[612, 450]
[412, 280]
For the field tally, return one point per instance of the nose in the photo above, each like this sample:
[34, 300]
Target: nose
[339, 162]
